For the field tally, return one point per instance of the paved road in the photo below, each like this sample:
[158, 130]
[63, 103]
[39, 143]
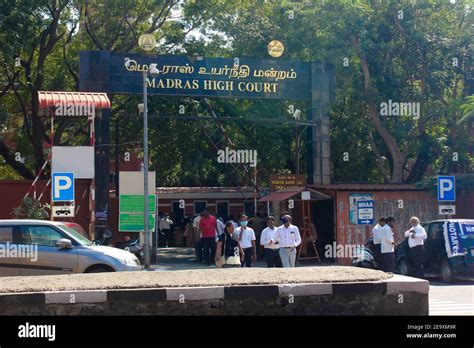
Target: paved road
[451, 299]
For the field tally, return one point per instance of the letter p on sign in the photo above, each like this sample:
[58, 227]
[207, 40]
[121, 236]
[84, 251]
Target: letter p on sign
[446, 188]
[62, 187]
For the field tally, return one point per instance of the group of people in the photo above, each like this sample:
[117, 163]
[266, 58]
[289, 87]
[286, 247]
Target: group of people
[234, 244]
[384, 244]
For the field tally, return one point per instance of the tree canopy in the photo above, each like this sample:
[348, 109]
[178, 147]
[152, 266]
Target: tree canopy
[400, 51]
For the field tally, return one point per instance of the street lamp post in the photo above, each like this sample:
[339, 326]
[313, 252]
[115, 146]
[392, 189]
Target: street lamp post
[145, 171]
[153, 71]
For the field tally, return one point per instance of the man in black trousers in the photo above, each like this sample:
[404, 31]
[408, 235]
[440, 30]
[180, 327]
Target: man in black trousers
[416, 236]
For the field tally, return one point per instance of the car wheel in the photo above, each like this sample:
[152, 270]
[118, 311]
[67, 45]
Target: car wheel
[446, 272]
[403, 267]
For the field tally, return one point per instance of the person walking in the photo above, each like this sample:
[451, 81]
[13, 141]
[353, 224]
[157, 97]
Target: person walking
[387, 250]
[165, 227]
[258, 224]
[271, 252]
[247, 241]
[207, 231]
[187, 230]
[228, 247]
[376, 237]
[220, 226]
[197, 238]
[416, 236]
[288, 237]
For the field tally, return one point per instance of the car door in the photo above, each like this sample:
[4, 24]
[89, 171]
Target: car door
[437, 244]
[51, 259]
[9, 260]
[427, 248]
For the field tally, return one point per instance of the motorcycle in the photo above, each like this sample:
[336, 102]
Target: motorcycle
[364, 256]
[133, 246]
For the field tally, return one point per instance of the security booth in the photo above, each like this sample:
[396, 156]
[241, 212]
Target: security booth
[299, 203]
[73, 163]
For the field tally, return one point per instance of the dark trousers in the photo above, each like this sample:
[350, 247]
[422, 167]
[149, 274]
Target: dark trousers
[198, 250]
[416, 260]
[166, 236]
[387, 262]
[272, 256]
[209, 249]
[376, 251]
[247, 257]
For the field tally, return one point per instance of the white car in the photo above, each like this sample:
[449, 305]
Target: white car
[39, 247]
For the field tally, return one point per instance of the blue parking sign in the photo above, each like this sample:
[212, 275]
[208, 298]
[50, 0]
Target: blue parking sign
[62, 187]
[446, 188]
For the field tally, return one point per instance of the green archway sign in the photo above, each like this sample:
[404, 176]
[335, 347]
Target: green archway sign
[121, 73]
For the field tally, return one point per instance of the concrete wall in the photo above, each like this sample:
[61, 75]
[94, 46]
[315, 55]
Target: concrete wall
[395, 296]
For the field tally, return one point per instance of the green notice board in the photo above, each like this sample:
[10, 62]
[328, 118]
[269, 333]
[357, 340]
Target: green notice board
[134, 204]
[134, 222]
[131, 213]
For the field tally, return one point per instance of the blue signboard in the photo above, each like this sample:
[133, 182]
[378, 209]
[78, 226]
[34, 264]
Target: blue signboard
[446, 188]
[112, 72]
[62, 187]
[365, 212]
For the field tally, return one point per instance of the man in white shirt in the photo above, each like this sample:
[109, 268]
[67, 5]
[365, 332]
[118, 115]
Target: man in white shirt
[247, 239]
[271, 252]
[387, 246]
[288, 237]
[197, 239]
[220, 227]
[165, 227]
[376, 232]
[416, 236]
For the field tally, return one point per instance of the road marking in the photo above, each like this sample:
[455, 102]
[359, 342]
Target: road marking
[439, 307]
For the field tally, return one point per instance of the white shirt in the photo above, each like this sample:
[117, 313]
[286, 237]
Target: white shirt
[267, 235]
[386, 239]
[220, 227]
[247, 237]
[288, 237]
[419, 236]
[165, 224]
[376, 234]
[196, 221]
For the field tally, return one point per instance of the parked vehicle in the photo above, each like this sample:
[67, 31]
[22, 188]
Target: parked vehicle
[133, 246]
[51, 247]
[448, 250]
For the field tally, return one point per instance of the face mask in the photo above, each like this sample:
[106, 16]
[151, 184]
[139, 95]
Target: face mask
[284, 220]
[243, 223]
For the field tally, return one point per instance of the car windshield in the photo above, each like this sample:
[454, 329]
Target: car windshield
[78, 229]
[79, 237]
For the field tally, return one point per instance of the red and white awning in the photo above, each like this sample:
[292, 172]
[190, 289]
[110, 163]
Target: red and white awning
[49, 99]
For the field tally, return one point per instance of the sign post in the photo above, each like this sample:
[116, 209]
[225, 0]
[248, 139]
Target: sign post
[365, 212]
[62, 190]
[446, 194]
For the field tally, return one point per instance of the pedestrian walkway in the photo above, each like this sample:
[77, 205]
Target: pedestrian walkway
[447, 307]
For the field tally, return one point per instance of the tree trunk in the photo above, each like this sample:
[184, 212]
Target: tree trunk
[398, 157]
